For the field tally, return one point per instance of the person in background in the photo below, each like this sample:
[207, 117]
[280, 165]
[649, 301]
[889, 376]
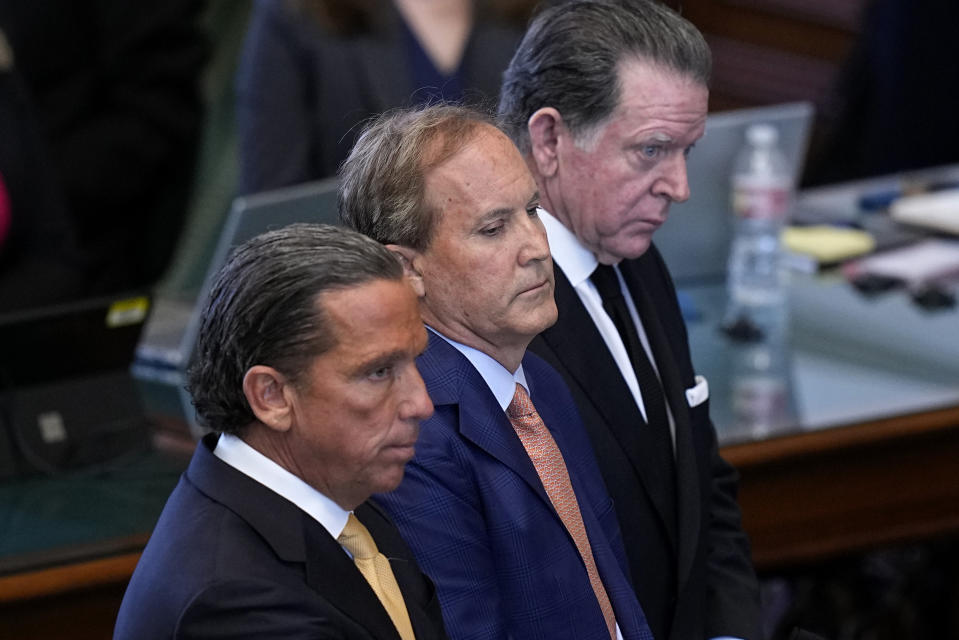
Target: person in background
[311, 71]
[39, 261]
[305, 372]
[605, 98]
[115, 88]
[503, 504]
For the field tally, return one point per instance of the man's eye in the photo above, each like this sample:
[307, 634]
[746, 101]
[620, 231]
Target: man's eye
[381, 374]
[492, 231]
[533, 211]
[651, 150]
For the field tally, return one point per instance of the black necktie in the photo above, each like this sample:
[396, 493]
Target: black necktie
[662, 474]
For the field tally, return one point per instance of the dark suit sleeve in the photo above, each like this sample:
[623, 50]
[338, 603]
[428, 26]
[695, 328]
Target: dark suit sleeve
[251, 609]
[275, 94]
[438, 509]
[732, 590]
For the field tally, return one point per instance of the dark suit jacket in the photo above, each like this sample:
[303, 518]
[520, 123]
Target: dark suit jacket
[230, 558]
[480, 523]
[697, 582]
[303, 92]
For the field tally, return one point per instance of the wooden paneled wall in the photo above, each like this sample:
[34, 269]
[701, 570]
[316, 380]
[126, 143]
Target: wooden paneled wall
[768, 51]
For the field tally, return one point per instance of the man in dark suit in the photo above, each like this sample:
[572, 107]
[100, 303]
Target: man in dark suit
[605, 98]
[305, 366]
[503, 503]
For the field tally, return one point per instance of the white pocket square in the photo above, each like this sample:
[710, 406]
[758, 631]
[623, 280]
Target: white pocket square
[699, 394]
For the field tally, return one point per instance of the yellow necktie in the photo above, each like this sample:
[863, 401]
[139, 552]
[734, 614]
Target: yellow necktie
[549, 464]
[376, 569]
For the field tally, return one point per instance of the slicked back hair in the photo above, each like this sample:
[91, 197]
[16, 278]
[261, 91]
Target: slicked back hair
[265, 308]
[571, 54]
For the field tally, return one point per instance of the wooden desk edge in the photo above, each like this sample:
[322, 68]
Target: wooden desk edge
[821, 549]
[117, 568]
[835, 439]
[72, 577]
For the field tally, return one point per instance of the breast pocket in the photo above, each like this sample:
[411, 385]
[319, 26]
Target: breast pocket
[697, 397]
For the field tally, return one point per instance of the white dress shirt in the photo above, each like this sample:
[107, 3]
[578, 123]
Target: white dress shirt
[248, 461]
[578, 264]
[500, 381]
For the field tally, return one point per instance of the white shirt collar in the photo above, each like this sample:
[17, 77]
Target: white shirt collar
[247, 460]
[576, 261]
[499, 380]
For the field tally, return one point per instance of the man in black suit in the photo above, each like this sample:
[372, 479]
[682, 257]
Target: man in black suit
[305, 367]
[605, 98]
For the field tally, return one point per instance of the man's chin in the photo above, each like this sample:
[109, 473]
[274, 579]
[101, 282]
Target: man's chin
[630, 250]
[390, 481]
[544, 317]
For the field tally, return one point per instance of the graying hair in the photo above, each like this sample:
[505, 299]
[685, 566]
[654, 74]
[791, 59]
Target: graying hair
[570, 57]
[382, 180]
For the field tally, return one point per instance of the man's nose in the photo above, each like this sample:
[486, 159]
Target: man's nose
[417, 404]
[674, 183]
[535, 245]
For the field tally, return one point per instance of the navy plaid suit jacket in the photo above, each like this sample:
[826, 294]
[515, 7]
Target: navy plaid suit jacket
[479, 522]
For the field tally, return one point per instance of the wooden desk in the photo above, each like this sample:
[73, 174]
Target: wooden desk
[78, 600]
[842, 476]
[809, 496]
[805, 497]
[70, 544]
[869, 452]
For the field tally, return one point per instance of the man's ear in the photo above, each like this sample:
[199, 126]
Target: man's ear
[409, 259]
[545, 127]
[268, 393]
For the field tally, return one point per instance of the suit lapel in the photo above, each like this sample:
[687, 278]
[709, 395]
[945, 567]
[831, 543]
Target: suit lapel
[577, 343]
[452, 380]
[418, 591]
[294, 537]
[675, 388]
[275, 518]
[331, 573]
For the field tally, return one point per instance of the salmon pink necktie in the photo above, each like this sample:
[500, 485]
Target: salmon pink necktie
[549, 464]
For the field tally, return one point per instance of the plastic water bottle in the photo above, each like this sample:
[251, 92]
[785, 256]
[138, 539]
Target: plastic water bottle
[762, 189]
[761, 384]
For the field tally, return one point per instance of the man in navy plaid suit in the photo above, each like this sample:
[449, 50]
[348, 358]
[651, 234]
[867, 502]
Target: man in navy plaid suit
[451, 196]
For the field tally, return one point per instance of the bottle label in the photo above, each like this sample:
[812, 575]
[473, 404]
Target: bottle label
[769, 201]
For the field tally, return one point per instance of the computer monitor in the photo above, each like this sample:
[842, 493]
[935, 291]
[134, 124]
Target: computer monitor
[165, 352]
[168, 342]
[252, 215]
[696, 237]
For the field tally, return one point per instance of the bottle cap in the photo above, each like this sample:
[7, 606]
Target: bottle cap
[762, 134]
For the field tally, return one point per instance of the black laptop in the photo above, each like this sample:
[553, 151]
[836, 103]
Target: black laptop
[67, 399]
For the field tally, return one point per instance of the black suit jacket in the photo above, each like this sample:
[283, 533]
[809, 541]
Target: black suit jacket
[695, 582]
[230, 558]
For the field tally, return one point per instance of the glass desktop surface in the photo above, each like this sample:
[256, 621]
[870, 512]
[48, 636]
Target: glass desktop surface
[849, 359]
[46, 520]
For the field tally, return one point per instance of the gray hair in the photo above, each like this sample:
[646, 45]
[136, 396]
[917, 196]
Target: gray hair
[570, 56]
[382, 190]
[263, 309]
